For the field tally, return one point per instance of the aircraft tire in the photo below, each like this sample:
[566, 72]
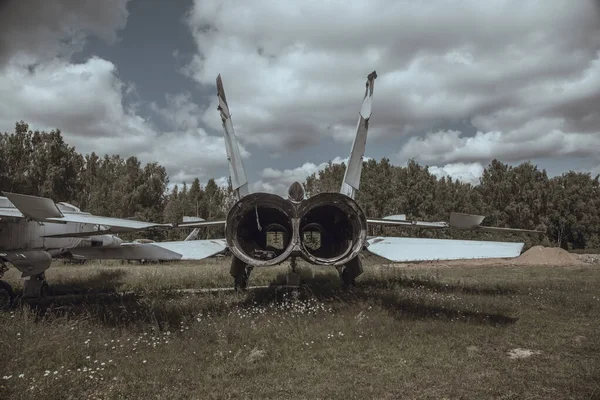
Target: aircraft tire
[7, 296]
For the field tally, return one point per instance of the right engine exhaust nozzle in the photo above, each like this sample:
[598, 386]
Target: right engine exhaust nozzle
[333, 229]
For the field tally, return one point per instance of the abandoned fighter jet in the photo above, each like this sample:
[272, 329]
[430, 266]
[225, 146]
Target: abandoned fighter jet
[33, 230]
[328, 229]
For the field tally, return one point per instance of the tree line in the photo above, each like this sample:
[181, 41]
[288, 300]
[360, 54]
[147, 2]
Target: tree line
[43, 164]
[566, 207]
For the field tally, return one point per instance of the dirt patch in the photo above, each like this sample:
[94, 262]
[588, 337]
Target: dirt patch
[539, 255]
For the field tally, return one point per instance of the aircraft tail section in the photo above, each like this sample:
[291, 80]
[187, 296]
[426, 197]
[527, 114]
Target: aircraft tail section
[34, 207]
[236, 167]
[351, 181]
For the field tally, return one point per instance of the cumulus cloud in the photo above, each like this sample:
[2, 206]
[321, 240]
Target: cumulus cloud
[85, 100]
[468, 173]
[88, 101]
[452, 146]
[278, 181]
[187, 151]
[33, 31]
[525, 74]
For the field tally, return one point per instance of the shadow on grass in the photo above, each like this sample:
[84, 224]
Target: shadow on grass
[400, 305]
[434, 285]
[167, 309]
[104, 281]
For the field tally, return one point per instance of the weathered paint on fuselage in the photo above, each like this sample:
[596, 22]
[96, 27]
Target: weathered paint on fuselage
[21, 234]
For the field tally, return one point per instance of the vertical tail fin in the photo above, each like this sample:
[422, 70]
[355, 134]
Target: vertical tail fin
[352, 176]
[236, 167]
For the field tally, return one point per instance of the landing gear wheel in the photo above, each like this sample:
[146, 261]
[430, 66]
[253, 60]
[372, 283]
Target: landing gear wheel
[7, 296]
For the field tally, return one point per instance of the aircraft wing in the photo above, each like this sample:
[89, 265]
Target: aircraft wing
[10, 212]
[401, 249]
[45, 210]
[116, 225]
[457, 221]
[177, 250]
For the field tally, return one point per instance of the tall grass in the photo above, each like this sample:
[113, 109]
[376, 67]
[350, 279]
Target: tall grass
[402, 333]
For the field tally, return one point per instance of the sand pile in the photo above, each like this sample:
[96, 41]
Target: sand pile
[540, 255]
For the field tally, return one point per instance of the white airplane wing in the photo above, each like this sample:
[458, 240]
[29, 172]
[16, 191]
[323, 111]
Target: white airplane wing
[45, 210]
[179, 250]
[407, 249]
[116, 224]
[401, 249]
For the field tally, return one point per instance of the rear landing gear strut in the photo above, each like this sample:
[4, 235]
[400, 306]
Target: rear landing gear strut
[241, 273]
[36, 286]
[7, 296]
[350, 271]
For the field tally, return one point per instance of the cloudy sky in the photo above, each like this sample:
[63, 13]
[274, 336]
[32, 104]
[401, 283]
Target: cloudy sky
[459, 82]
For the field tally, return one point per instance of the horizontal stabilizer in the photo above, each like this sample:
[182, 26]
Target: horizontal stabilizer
[192, 219]
[400, 249]
[398, 217]
[202, 224]
[457, 221]
[507, 230]
[34, 207]
[473, 222]
[405, 223]
[465, 221]
[179, 250]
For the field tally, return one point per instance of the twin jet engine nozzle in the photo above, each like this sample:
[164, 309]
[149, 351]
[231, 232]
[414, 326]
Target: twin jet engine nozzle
[265, 229]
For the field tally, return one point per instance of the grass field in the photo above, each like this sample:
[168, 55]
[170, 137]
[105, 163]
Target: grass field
[502, 332]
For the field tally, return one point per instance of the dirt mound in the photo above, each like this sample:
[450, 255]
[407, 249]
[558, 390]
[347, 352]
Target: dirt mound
[540, 255]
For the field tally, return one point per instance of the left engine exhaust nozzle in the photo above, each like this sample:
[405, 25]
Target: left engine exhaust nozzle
[260, 229]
